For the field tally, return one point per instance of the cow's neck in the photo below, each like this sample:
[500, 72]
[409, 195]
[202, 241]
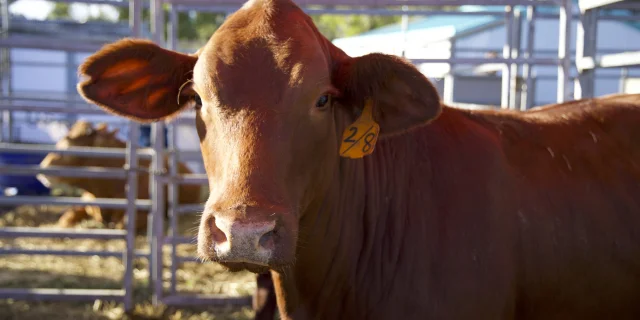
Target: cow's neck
[351, 246]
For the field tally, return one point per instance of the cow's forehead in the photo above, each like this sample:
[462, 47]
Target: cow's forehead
[261, 53]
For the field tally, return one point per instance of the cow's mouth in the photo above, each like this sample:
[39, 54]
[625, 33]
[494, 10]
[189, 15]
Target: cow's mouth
[242, 266]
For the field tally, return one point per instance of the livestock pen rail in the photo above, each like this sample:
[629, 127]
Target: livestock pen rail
[516, 59]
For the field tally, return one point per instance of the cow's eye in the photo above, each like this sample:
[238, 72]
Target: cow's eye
[323, 101]
[198, 101]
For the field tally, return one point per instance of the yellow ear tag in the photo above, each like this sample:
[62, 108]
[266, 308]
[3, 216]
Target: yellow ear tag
[359, 139]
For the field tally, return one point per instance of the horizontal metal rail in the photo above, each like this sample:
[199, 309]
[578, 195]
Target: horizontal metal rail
[52, 109]
[592, 4]
[189, 208]
[537, 61]
[62, 294]
[12, 251]
[303, 3]
[13, 97]
[204, 299]
[108, 2]
[74, 201]
[183, 259]
[185, 153]
[194, 178]
[79, 151]
[73, 253]
[187, 119]
[83, 172]
[49, 43]
[27, 232]
[613, 60]
[179, 240]
[391, 12]
[345, 11]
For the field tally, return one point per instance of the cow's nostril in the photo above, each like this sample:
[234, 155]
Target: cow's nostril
[267, 241]
[217, 234]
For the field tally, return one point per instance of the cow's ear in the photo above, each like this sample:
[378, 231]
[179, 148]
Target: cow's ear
[137, 79]
[403, 97]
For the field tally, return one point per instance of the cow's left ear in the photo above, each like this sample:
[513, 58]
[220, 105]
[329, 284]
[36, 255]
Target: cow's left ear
[403, 97]
[137, 79]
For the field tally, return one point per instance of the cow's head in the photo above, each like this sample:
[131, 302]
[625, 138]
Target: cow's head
[273, 97]
[81, 134]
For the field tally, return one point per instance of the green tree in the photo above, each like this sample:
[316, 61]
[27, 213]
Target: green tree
[198, 26]
[338, 26]
[61, 10]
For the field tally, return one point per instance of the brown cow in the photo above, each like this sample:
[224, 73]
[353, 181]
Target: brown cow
[457, 214]
[83, 134]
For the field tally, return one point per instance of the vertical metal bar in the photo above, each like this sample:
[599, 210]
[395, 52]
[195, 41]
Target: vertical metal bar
[580, 53]
[131, 214]
[448, 84]
[157, 19]
[449, 78]
[158, 201]
[173, 28]
[564, 54]
[531, 97]
[7, 115]
[526, 68]
[135, 17]
[586, 46]
[172, 189]
[158, 204]
[624, 73]
[515, 52]
[593, 49]
[173, 203]
[135, 23]
[506, 53]
[404, 25]
[71, 70]
[135, 10]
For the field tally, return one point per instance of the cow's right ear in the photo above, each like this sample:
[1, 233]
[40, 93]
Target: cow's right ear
[137, 79]
[403, 98]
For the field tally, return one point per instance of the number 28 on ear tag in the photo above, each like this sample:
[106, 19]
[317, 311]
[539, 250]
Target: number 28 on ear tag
[359, 139]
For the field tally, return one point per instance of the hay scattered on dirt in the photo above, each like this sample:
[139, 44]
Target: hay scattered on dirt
[23, 271]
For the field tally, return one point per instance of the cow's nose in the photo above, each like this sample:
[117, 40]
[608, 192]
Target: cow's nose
[241, 241]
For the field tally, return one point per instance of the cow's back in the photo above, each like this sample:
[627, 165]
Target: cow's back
[578, 172]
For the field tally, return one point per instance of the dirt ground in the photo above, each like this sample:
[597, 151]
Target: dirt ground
[45, 271]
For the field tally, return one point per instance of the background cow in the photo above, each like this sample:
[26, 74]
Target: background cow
[83, 134]
[457, 214]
